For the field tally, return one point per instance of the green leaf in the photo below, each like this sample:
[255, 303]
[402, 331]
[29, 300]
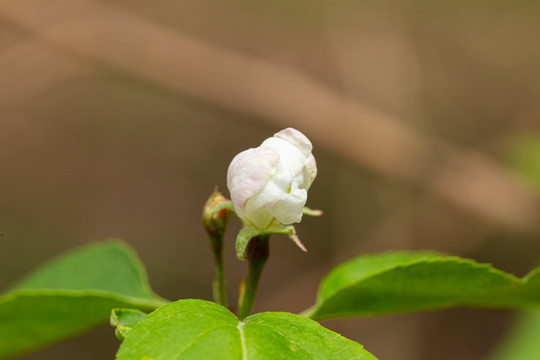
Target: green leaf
[407, 281]
[197, 329]
[72, 294]
[111, 265]
[124, 320]
[523, 341]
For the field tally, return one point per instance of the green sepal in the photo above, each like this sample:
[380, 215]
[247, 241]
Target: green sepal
[311, 212]
[248, 232]
[224, 205]
[244, 235]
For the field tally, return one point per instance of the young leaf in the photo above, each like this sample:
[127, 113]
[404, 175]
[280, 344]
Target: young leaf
[406, 281]
[124, 320]
[197, 329]
[72, 294]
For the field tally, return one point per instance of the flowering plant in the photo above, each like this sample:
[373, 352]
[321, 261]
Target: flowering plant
[268, 188]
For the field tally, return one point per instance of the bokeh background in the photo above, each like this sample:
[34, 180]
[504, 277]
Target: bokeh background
[118, 118]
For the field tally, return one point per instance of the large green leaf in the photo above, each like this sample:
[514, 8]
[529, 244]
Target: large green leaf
[107, 266]
[72, 294]
[197, 329]
[407, 281]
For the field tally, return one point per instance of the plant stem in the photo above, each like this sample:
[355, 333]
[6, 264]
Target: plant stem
[257, 253]
[220, 291]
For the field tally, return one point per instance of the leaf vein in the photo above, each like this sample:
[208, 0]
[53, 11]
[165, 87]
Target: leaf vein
[196, 338]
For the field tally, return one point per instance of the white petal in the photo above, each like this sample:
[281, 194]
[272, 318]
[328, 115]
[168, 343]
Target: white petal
[260, 217]
[248, 173]
[296, 138]
[258, 206]
[309, 172]
[274, 190]
[290, 157]
[289, 209]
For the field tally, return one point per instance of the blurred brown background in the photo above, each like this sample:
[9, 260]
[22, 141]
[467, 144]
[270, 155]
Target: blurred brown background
[118, 118]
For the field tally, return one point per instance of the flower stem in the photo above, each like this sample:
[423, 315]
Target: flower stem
[220, 291]
[257, 253]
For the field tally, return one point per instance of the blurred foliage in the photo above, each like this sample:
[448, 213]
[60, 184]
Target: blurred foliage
[523, 154]
[524, 339]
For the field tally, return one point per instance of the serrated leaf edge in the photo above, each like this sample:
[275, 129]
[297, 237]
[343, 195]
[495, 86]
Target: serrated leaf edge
[310, 312]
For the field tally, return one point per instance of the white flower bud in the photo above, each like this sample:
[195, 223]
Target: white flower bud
[271, 181]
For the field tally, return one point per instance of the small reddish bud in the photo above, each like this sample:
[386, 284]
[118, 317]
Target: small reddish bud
[217, 213]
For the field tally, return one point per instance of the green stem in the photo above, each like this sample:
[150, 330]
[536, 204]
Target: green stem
[257, 253]
[220, 291]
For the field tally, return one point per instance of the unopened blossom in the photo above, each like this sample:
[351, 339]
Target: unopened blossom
[216, 214]
[270, 183]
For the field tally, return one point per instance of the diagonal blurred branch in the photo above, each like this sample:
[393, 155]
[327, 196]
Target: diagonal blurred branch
[281, 95]
[46, 66]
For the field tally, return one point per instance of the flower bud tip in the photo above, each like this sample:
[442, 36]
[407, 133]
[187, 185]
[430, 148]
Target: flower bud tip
[217, 212]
